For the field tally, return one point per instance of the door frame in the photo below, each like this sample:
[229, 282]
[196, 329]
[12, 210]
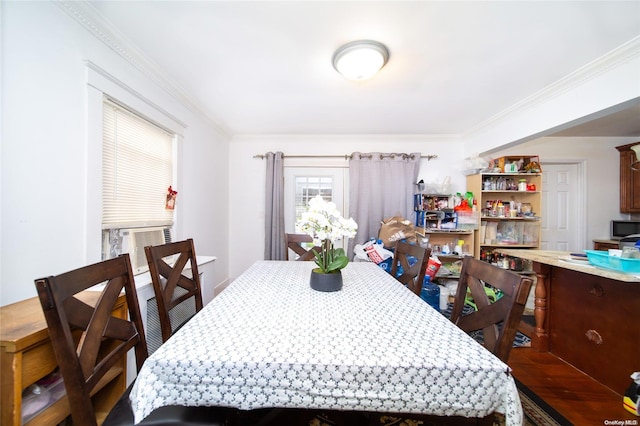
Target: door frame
[290, 171]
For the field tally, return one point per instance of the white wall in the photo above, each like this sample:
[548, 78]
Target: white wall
[47, 171]
[247, 176]
[603, 178]
[603, 84]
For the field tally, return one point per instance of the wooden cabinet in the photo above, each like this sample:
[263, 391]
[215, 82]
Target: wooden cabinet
[591, 324]
[502, 227]
[26, 356]
[605, 245]
[629, 180]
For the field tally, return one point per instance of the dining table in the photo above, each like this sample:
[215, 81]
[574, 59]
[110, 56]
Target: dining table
[270, 341]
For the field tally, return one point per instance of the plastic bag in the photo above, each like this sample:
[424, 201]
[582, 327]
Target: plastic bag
[372, 251]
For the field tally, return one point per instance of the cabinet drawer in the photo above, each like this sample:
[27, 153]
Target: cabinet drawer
[592, 325]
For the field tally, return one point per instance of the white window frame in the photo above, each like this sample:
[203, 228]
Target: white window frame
[340, 189]
[100, 84]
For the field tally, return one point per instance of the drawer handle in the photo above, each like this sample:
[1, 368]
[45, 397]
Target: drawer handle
[597, 291]
[594, 337]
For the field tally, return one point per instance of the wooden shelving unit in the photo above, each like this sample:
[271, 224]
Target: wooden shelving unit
[436, 220]
[514, 230]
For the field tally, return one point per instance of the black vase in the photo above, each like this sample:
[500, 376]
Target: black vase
[326, 282]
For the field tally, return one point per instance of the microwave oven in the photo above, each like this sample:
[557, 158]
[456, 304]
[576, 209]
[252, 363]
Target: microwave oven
[622, 228]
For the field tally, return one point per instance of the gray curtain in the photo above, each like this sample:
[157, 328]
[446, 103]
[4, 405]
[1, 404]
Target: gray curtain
[380, 186]
[274, 208]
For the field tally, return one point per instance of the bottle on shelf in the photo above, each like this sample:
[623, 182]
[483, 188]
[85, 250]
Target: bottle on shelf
[522, 185]
[458, 248]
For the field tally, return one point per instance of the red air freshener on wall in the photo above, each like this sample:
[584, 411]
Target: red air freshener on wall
[171, 198]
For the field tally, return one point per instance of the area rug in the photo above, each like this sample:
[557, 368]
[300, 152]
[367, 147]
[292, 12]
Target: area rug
[536, 413]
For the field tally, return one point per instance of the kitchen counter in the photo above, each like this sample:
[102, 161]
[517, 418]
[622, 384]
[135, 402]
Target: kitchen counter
[585, 315]
[562, 259]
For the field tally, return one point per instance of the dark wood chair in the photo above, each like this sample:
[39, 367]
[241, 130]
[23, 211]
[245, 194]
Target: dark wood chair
[294, 242]
[412, 276]
[173, 285]
[499, 320]
[89, 344]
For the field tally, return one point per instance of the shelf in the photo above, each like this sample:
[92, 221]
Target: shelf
[510, 174]
[447, 277]
[59, 409]
[524, 219]
[448, 231]
[508, 191]
[450, 256]
[509, 245]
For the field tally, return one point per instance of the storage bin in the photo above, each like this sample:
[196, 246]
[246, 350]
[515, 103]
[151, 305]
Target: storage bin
[467, 220]
[602, 259]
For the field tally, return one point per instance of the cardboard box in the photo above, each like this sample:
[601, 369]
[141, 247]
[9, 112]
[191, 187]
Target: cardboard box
[519, 164]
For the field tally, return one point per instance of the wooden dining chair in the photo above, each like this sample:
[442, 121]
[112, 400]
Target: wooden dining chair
[499, 319]
[295, 241]
[413, 274]
[90, 345]
[173, 284]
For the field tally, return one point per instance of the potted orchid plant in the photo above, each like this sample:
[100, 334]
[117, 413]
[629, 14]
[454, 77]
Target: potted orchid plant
[324, 223]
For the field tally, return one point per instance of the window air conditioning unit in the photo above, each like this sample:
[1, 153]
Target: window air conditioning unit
[133, 241]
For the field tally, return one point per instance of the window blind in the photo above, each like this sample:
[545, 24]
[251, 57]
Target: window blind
[137, 170]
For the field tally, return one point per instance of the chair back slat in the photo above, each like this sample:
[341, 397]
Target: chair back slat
[499, 319]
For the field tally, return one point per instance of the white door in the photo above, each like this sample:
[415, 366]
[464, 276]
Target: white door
[563, 217]
[303, 183]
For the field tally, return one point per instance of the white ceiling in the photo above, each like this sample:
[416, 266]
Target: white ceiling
[264, 67]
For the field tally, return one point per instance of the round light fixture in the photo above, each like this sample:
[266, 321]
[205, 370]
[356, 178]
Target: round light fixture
[360, 60]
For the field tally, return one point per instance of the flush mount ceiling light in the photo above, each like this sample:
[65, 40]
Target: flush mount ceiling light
[360, 60]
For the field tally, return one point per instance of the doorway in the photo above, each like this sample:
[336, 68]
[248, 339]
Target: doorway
[563, 224]
[303, 183]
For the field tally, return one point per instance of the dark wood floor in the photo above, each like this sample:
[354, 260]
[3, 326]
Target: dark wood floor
[576, 396]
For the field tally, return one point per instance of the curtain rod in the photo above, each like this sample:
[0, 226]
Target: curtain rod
[348, 156]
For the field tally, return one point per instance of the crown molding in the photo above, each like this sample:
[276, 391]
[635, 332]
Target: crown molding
[90, 18]
[618, 56]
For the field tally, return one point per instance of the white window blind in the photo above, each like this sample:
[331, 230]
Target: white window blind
[137, 170]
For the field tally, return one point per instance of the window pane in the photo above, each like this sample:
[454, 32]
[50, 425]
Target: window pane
[308, 187]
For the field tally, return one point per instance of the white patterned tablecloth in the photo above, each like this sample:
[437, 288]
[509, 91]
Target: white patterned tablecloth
[269, 340]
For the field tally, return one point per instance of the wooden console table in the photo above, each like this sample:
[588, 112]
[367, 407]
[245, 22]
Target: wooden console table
[26, 356]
